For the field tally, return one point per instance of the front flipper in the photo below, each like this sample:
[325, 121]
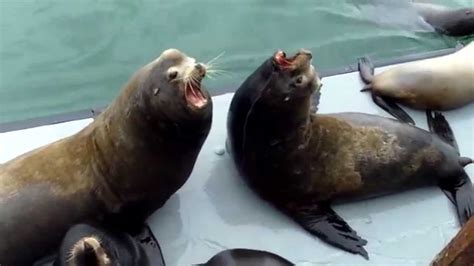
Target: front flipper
[392, 108]
[366, 70]
[440, 126]
[321, 221]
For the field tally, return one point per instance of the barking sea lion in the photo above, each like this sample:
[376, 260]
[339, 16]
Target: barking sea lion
[117, 170]
[302, 162]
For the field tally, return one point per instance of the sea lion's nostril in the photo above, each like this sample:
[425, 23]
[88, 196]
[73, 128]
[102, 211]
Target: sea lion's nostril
[202, 70]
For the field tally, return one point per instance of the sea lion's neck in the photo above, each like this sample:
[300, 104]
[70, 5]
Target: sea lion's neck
[290, 121]
[132, 151]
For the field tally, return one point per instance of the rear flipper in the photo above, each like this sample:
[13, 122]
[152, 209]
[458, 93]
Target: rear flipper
[461, 193]
[459, 46]
[366, 70]
[392, 108]
[321, 221]
[440, 126]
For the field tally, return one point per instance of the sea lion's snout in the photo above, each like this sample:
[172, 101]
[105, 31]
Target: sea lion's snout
[91, 248]
[304, 52]
[302, 60]
[201, 69]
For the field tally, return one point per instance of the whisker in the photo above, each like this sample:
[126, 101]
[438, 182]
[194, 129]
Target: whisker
[222, 74]
[209, 63]
[210, 75]
[219, 71]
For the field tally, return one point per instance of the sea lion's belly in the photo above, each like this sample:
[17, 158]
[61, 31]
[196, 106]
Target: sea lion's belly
[34, 220]
[362, 156]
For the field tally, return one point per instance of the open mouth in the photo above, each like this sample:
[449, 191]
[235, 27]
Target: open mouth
[192, 87]
[301, 58]
[281, 59]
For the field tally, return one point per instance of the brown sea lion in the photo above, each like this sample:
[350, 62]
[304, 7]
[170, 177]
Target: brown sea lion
[440, 83]
[117, 170]
[302, 162]
[246, 257]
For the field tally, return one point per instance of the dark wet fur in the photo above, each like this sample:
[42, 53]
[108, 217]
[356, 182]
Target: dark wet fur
[366, 71]
[246, 257]
[455, 22]
[267, 150]
[137, 167]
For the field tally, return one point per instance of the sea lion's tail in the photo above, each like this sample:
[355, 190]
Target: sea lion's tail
[462, 195]
[366, 71]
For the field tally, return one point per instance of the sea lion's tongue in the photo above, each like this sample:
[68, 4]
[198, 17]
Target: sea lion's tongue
[195, 96]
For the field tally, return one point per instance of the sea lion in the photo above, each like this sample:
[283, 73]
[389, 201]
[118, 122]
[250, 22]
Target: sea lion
[87, 245]
[440, 83]
[301, 162]
[246, 257]
[117, 170]
[448, 21]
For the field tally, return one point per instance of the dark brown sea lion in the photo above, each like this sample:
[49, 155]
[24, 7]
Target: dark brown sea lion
[87, 245]
[116, 171]
[246, 257]
[448, 21]
[302, 162]
[440, 83]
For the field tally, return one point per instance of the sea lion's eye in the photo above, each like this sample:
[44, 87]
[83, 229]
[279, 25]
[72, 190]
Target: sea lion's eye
[172, 75]
[299, 80]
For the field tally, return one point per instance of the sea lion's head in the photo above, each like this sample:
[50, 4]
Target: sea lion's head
[294, 78]
[170, 87]
[88, 251]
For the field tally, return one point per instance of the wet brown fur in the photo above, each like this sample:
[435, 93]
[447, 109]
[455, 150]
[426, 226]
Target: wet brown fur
[337, 147]
[110, 167]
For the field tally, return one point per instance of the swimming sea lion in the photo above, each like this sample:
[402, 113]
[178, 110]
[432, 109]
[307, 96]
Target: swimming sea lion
[117, 170]
[448, 21]
[302, 162]
[86, 245]
[246, 257]
[440, 83]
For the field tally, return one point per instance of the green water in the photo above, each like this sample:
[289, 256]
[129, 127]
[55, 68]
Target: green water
[58, 56]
